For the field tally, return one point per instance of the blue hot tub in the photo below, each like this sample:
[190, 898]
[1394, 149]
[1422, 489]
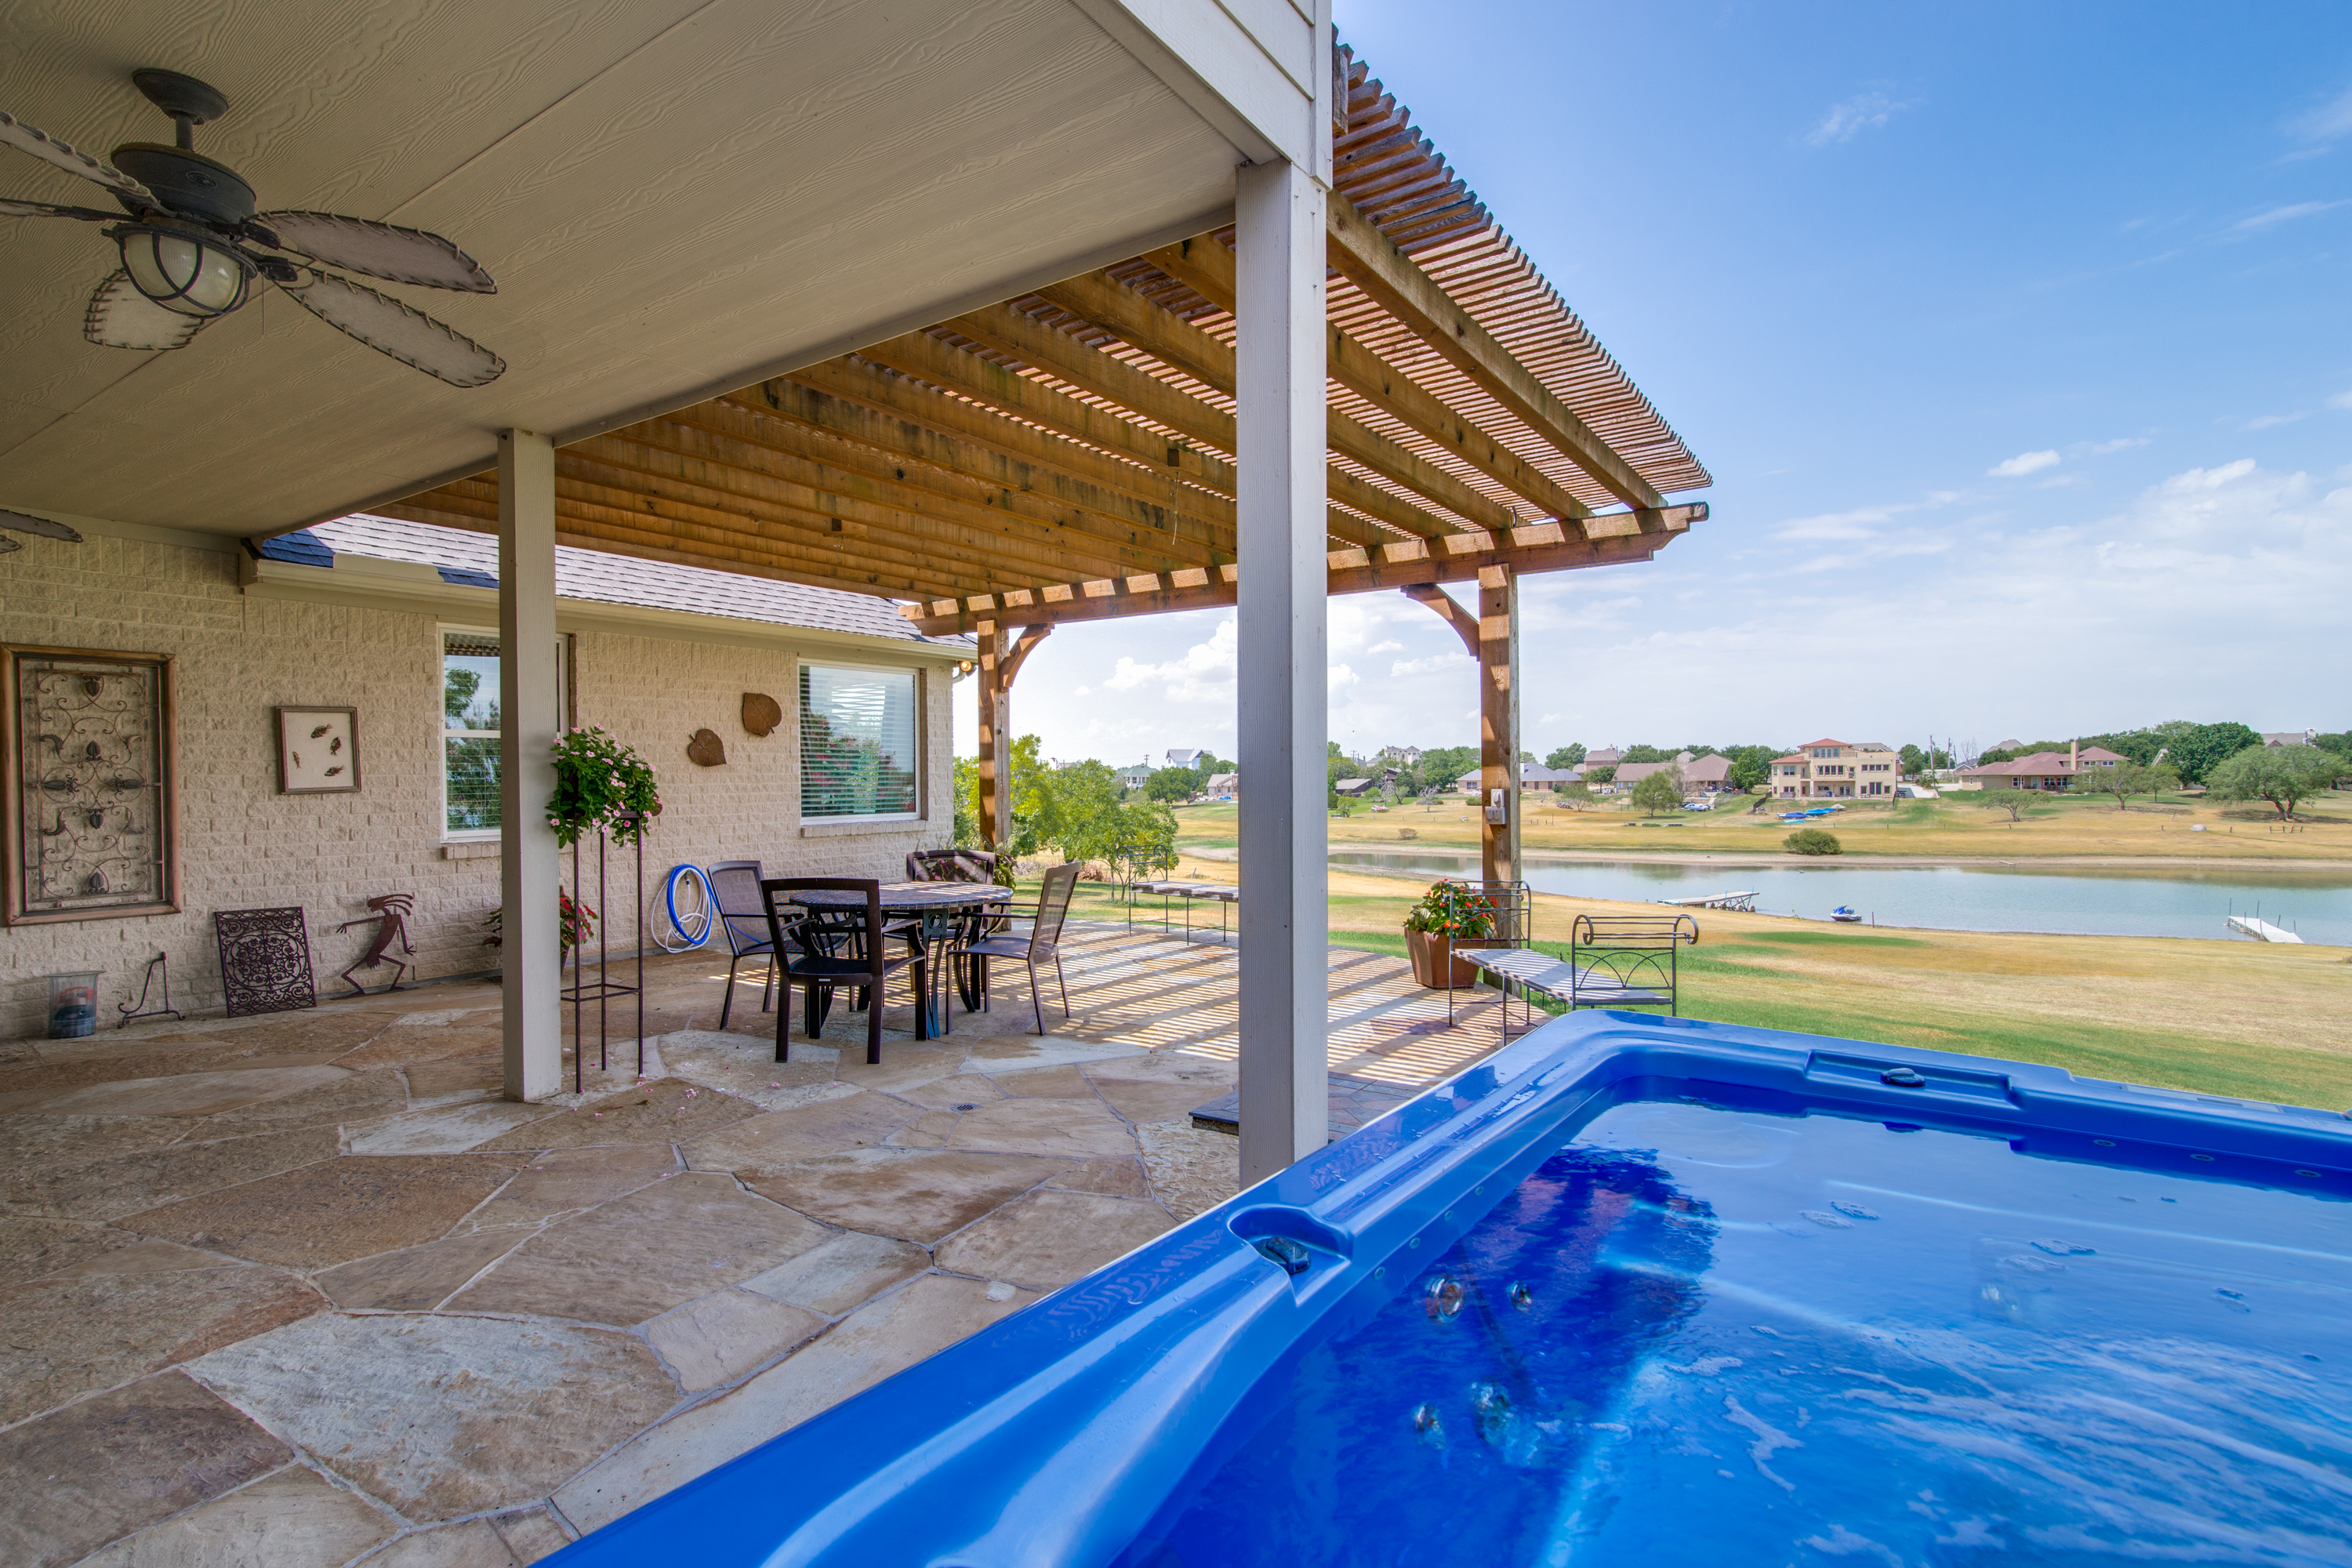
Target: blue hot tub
[1642, 1290]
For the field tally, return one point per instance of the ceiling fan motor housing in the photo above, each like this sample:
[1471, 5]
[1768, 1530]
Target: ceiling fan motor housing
[190, 183]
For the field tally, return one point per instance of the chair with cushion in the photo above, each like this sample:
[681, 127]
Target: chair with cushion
[742, 918]
[827, 946]
[1041, 942]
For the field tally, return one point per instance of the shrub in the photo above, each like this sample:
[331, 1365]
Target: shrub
[1812, 841]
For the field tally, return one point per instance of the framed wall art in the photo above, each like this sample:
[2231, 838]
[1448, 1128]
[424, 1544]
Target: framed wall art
[93, 829]
[318, 751]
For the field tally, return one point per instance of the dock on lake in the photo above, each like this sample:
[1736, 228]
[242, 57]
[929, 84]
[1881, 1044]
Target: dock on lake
[1745, 903]
[2260, 930]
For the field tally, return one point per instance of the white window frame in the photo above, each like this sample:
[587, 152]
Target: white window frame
[563, 654]
[922, 743]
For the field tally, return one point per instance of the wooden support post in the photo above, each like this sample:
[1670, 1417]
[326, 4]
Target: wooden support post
[1498, 723]
[531, 952]
[995, 743]
[1280, 465]
[1000, 657]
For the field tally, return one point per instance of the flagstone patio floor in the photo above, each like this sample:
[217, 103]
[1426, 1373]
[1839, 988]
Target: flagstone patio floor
[303, 1289]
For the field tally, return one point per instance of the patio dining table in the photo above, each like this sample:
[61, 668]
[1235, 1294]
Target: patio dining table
[943, 908]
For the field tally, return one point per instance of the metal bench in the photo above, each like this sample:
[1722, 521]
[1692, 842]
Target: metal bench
[1614, 961]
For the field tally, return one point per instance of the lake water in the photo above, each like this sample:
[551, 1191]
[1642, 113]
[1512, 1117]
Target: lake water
[2072, 901]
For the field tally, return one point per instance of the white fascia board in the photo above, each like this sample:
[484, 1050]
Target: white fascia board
[368, 584]
[1243, 86]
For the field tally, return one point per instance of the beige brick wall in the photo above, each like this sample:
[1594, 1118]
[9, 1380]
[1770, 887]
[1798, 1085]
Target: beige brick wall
[243, 845]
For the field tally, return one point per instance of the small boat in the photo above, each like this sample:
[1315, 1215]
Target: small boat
[1845, 916]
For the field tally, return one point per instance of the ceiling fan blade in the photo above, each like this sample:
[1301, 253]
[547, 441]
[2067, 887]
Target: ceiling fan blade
[25, 522]
[389, 327]
[12, 208]
[121, 317]
[49, 150]
[377, 249]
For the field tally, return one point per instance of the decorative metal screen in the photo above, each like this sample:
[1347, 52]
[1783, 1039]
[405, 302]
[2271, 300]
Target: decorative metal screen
[90, 777]
[857, 741]
[264, 957]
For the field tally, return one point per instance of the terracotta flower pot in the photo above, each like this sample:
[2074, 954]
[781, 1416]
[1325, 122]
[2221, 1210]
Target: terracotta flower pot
[1432, 953]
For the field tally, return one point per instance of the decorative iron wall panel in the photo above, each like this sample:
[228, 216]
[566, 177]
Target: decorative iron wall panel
[264, 959]
[90, 782]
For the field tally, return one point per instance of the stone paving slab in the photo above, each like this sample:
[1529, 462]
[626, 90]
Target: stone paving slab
[296, 1516]
[93, 1472]
[443, 1417]
[486, 1327]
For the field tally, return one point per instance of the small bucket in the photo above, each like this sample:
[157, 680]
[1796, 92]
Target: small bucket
[73, 1005]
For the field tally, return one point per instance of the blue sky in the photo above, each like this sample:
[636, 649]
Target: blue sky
[2014, 335]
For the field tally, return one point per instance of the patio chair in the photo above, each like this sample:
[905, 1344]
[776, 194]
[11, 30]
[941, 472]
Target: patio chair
[829, 946]
[1041, 943]
[735, 891]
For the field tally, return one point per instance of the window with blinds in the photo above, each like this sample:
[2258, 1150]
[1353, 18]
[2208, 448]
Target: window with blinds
[857, 742]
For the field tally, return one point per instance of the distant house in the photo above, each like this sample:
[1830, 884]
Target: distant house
[1402, 756]
[1837, 770]
[1135, 776]
[2006, 746]
[1709, 774]
[1222, 784]
[2043, 770]
[1355, 789]
[1182, 758]
[2291, 738]
[1606, 757]
[1532, 776]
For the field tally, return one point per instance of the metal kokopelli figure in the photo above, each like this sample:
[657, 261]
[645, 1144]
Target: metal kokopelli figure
[392, 925]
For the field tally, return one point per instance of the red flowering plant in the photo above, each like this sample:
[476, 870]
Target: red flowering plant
[1454, 910]
[578, 920]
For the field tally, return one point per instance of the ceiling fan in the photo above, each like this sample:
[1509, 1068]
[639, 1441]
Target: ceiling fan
[192, 245]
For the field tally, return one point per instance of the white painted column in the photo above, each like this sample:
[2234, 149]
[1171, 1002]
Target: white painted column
[532, 952]
[1285, 991]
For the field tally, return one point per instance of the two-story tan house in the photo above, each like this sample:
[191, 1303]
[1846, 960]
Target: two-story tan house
[1837, 770]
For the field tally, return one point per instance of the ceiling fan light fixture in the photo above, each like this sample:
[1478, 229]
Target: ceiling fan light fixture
[184, 270]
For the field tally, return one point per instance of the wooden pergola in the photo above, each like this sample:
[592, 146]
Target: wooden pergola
[1071, 455]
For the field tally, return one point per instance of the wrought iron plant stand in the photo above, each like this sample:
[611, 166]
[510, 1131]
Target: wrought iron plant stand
[604, 989]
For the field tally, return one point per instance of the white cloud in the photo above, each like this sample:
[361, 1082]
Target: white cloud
[2287, 214]
[2022, 464]
[1338, 678]
[2264, 421]
[2341, 400]
[2101, 448]
[1203, 673]
[1392, 645]
[1845, 121]
[1405, 666]
[1862, 523]
[2328, 121]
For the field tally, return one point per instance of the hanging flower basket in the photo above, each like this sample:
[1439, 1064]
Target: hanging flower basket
[600, 786]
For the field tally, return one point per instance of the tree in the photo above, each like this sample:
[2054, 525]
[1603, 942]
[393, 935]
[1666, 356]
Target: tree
[1914, 760]
[1605, 773]
[1575, 796]
[1566, 756]
[2282, 775]
[2123, 781]
[1645, 754]
[1812, 841]
[1168, 785]
[2197, 749]
[1750, 766]
[2011, 801]
[1526, 758]
[1660, 792]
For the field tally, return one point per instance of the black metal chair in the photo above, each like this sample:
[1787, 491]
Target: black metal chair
[735, 891]
[1042, 941]
[823, 947]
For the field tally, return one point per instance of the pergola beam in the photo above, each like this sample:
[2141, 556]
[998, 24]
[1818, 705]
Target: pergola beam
[1395, 282]
[1535, 547]
[1205, 265]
